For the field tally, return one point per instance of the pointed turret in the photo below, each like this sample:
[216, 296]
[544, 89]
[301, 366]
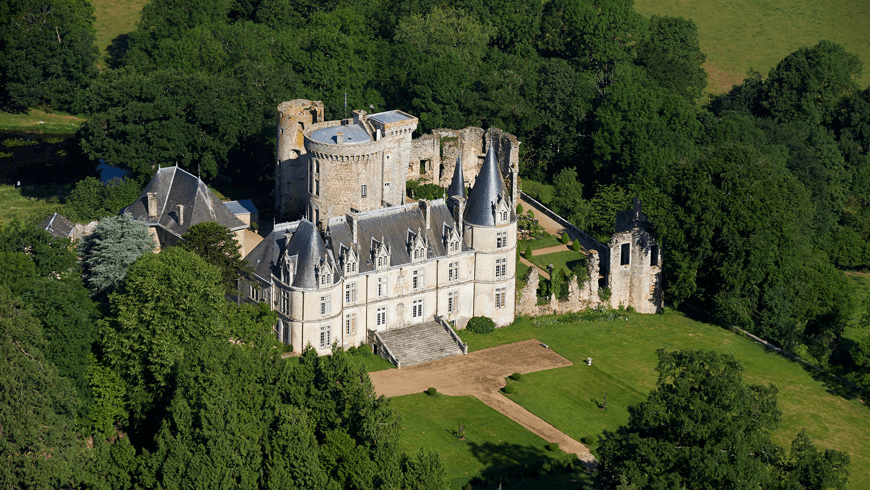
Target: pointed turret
[457, 185]
[309, 248]
[488, 190]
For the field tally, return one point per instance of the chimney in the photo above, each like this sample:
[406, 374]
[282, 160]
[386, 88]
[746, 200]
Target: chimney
[359, 116]
[353, 227]
[339, 138]
[426, 208]
[152, 204]
[181, 214]
[378, 135]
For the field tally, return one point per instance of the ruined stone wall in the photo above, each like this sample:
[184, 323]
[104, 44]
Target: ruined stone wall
[439, 150]
[580, 296]
[635, 279]
[291, 167]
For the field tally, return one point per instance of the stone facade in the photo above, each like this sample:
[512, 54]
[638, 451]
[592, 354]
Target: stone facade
[635, 272]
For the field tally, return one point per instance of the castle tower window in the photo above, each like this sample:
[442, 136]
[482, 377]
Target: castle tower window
[453, 272]
[350, 293]
[452, 301]
[654, 256]
[382, 286]
[417, 280]
[325, 305]
[350, 324]
[363, 190]
[417, 309]
[325, 336]
[625, 254]
[500, 297]
[501, 239]
[500, 268]
[381, 317]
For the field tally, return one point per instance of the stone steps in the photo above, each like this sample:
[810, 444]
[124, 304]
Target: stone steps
[420, 343]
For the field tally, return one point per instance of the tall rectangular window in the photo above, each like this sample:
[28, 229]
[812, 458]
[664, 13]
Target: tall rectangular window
[500, 267]
[654, 255]
[452, 301]
[453, 272]
[382, 286]
[417, 280]
[501, 239]
[381, 318]
[325, 336]
[500, 297]
[417, 310]
[625, 254]
[350, 324]
[325, 305]
[363, 190]
[350, 293]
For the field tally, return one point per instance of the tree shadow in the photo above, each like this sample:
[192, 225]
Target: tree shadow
[506, 462]
[117, 50]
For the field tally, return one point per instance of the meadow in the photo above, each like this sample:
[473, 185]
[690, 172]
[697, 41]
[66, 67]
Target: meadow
[742, 35]
[31, 203]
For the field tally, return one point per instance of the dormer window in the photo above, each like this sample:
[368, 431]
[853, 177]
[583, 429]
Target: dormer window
[380, 254]
[324, 272]
[417, 246]
[502, 212]
[349, 260]
[452, 240]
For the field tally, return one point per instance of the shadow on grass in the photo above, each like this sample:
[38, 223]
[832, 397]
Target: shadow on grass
[116, 51]
[508, 462]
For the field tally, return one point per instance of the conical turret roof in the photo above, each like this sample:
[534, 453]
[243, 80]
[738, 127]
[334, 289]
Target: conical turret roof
[309, 248]
[488, 189]
[457, 185]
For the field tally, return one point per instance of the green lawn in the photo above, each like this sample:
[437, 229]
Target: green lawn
[623, 367]
[493, 442]
[115, 18]
[38, 121]
[739, 35]
[31, 203]
[860, 287]
[569, 260]
[374, 363]
[541, 242]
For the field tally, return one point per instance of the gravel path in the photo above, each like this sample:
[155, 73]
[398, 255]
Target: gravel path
[481, 374]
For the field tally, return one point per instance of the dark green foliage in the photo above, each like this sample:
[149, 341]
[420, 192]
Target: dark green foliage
[480, 324]
[589, 440]
[431, 391]
[565, 238]
[116, 242]
[509, 389]
[47, 52]
[423, 471]
[217, 245]
[528, 252]
[516, 376]
[51, 255]
[552, 447]
[808, 467]
[672, 56]
[575, 246]
[519, 209]
[91, 200]
[424, 191]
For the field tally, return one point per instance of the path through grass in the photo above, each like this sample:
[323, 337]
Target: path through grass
[739, 35]
[623, 367]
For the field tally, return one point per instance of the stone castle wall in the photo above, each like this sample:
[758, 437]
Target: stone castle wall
[580, 297]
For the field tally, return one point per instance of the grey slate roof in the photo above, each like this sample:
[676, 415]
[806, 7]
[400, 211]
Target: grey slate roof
[389, 116]
[174, 186]
[457, 185]
[488, 189]
[353, 133]
[393, 224]
[304, 252]
[244, 206]
[58, 226]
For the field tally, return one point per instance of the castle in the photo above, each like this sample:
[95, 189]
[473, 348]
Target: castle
[360, 259]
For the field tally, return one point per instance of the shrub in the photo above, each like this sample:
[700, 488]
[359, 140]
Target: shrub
[630, 309]
[528, 253]
[432, 391]
[552, 447]
[516, 376]
[480, 324]
[519, 208]
[589, 440]
[565, 239]
[575, 246]
[509, 389]
[604, 294]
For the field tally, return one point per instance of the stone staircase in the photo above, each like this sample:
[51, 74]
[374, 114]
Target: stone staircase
[420, 343]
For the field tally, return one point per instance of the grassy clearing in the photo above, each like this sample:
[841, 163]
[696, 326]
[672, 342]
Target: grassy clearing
[115, 18]
[623, 367]
[569, 260]
[492, 442]
[543, 241]
[38, 121]
[739, 35]
[31, 203]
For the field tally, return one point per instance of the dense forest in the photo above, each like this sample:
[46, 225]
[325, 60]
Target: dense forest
[759, 197]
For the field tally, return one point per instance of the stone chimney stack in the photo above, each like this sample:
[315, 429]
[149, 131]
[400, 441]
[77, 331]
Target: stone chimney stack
[426, 208]
[353, 227]
[181, 214]
[359, 116]
[152, 204]
[339, 138]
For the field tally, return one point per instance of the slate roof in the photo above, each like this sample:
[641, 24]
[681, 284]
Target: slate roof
[390, 116]
[58, 226]
[305, 252]
[488, 189]
[457, 185]
[174, 186]
[392, 225]
[244, 206]
[353, 133]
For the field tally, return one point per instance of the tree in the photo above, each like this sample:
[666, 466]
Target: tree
[217, 245]
[701, 427]
[51, 255]
[106, 253]
[672, 56]
[47, 52]
[90, 199]
[807, 467]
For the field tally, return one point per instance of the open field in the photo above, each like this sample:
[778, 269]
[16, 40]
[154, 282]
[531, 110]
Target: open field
[38, 121]
[114, 18]
[739, 35]
[492, 442]
[623, 368]
[28, 202]
[543, 241]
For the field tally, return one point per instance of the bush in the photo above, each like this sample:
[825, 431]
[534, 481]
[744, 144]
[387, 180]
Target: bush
[589, 440]
[575, 246]
[432, 391]
[565, 238]
[480, 324]
[528, 252]
[519, 208]
[516, 376]
[531, 213]
[552, 447]
[509, 389]
[604, 294]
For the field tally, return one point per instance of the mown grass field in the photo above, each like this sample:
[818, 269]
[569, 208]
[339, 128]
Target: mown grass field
[492, 442]
[39, 121]
[115, 18]
[623, 368]
[739, 35]
[29, 203]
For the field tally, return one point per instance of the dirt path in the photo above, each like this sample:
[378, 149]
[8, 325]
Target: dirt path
[541, 272]
[557, 249]
[481, 374]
